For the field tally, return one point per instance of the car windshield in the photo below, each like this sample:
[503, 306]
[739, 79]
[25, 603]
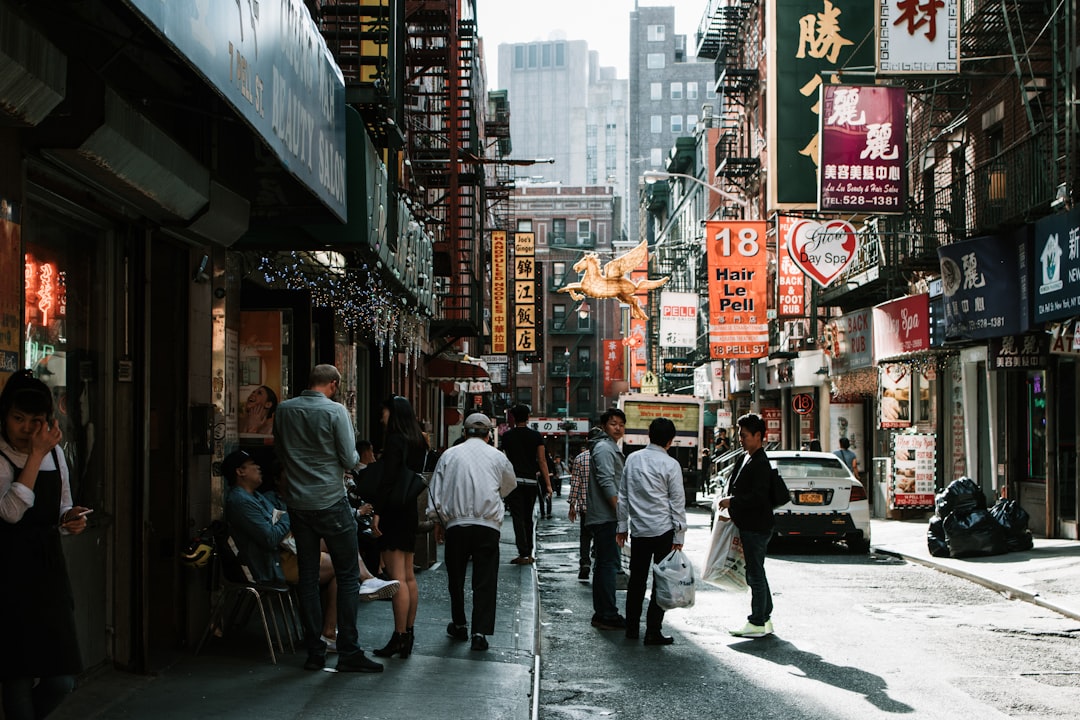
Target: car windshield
[810, 467]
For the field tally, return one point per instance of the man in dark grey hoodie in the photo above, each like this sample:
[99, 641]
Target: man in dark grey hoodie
[603, 497]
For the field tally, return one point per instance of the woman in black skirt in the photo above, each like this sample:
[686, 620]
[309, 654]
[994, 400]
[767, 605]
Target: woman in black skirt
[40, 655]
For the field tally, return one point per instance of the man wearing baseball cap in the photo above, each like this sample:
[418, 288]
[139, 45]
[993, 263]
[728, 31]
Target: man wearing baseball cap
[466, 503]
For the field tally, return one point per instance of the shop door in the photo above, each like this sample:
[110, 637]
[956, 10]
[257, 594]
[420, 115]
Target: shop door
[1066, 428]
[165, 494]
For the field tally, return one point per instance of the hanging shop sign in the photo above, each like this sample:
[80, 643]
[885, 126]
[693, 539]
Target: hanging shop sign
[614, 364]
[902, 326]
[849, 341]
[863, 149]
[918, 38]
[911, 484]
[1019, 352]
[499, 319]
[809, 42]
[678, 319]
[1056, 266]
[790, 279]
[822, 250]
[528, 299]
[981, 280]
[738, 289]
[268, 61]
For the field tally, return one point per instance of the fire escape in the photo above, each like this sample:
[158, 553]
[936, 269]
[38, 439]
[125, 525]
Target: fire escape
[497, 133]
[442, 150]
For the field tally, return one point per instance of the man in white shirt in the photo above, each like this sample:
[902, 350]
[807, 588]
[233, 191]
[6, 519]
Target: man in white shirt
[652, 508]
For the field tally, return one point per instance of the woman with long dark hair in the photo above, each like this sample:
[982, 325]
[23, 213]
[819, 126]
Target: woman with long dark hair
[40, 655]
[403, 446]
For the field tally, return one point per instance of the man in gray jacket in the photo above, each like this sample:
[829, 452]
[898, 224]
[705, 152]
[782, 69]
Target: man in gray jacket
[466, 501]
[603, 496]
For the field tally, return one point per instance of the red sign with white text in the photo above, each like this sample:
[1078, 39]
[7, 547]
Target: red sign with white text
[790, 280]
[614, 366]
[738, 289]
[902, 326]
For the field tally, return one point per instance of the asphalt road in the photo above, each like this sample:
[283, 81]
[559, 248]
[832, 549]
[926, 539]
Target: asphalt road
[857, 636]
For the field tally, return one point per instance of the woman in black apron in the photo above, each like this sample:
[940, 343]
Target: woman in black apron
[40, 655]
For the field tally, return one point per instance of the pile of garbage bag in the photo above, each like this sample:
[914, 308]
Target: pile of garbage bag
[963, 526]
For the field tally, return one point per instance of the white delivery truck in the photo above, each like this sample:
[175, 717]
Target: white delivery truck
[688, 414]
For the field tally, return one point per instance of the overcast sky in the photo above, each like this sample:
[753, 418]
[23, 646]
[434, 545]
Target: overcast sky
[604, 24]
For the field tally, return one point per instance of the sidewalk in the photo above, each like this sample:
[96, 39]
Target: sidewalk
[1048, 575]
[233, 676]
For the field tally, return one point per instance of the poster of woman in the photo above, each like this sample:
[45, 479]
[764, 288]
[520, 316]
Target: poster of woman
[260, 366]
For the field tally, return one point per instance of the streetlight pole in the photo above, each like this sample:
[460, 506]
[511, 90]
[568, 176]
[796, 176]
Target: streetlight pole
[652, 176]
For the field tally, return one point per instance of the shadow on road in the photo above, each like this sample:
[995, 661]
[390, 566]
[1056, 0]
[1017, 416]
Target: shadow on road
[814, 667]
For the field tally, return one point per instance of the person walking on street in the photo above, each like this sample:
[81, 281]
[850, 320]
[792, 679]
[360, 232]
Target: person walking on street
[525, 449]
[603, 496]
[748, 505]
[580, 469]
[404, 446]
[466, 502]
[314, 438]
[847, 456]
[652, 509]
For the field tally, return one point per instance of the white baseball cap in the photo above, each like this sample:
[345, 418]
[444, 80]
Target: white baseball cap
[478, 421]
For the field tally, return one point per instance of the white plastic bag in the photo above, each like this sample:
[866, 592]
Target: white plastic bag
[725, 565]
[673, 581]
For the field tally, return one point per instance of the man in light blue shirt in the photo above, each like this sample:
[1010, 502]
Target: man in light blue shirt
[313, 438]
[651, 508]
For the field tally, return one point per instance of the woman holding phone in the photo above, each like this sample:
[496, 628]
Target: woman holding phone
[40, 656]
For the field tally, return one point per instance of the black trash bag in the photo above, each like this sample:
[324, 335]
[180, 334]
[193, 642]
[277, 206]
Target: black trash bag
[1014, 519]
[935, 538]
[974, 534]
[962, 495]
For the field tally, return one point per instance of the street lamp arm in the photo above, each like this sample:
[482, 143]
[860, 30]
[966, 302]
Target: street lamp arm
[652, 176]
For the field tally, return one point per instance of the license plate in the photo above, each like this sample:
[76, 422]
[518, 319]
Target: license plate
[811, 498]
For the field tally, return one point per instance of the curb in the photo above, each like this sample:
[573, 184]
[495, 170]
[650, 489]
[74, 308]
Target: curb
[1013, 593]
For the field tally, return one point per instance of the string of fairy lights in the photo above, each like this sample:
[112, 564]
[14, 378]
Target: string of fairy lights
[358, 296]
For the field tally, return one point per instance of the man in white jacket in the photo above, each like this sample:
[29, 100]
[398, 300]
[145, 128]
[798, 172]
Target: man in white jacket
[466, 503]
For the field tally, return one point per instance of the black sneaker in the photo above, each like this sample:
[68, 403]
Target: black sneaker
[458, 632]
[583, 574]
[315, 662]
[358, 662]
[479, 642]
[658, 639]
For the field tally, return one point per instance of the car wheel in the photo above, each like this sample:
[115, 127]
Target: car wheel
[857, 544]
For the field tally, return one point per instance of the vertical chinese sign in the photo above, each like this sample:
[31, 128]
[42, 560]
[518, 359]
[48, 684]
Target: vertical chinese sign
[614, 366]
[498, 292]
[526, 298]
[790, 280]
[639, 351]
[916, 37]
[808, 40]
[863, 146]
[738, 289]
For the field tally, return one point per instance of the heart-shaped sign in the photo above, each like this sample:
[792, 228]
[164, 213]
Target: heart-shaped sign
[822, 250]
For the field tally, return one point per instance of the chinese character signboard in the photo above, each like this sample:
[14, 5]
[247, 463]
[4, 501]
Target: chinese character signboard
[738, 289]
[1056, 265]
[902, 326]
[499, 324]
[912, 483]
[528, 297]
[614, 367]
[771, 416]
[917, 37]
[863, 149]
[981, 280]
[809, 41]
[790, 280]
[678, 319]
[1019, 352]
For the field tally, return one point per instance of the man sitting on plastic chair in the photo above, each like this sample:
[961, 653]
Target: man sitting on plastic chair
[259, 524]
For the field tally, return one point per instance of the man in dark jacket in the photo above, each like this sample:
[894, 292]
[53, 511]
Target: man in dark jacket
[747, 502]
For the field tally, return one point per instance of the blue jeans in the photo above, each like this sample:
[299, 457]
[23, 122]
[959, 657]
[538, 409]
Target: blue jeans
[607, 565]
[754, 544]
[337, 527]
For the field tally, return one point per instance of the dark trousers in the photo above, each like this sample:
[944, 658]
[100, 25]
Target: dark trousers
[607, 567]
[644, 551]
[585, 543]
[25, 701]
[522, 503]
[754, 546]
[481, 545]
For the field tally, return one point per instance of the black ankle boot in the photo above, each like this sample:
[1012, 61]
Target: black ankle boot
[398, 645]
[409, 642]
